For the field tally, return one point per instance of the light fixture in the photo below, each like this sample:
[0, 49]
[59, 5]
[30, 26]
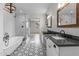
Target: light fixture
[10, 7]
[61, 5]
[49, 16]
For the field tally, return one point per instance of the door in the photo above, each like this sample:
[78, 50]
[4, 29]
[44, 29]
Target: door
[35, 31]
[35, 27]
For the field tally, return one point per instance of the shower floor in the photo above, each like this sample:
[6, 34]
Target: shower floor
[30, 47]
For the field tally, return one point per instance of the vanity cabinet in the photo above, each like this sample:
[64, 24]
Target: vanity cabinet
[69, 51]
[54, 50]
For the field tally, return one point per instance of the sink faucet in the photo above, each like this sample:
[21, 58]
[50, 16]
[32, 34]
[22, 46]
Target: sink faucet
[6, 37]
[62, 32]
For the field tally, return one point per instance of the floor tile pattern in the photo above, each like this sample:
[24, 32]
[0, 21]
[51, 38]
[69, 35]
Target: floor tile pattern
[29, 49]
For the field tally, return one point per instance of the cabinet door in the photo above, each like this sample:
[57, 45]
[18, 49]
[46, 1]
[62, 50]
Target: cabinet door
[69, 51]
[49, 47]
[52, 49]
[55, 50]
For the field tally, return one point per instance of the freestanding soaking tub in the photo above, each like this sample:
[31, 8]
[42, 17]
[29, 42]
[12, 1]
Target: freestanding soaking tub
[14, 42]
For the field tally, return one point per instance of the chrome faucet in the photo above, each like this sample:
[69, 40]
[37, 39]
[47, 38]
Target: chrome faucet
[6, 37]
[62, 32]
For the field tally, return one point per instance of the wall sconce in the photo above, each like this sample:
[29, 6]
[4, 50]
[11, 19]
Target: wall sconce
[49, 21]
[10, 7]
[62, 5]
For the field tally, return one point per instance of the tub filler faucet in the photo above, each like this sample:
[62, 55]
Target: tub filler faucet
[6, 39]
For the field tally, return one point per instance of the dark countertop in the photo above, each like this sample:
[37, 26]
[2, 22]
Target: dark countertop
[63, 43]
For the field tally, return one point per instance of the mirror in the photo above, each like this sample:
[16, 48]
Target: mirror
[67, 15]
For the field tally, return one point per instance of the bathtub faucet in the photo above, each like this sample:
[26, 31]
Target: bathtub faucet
[6, 37]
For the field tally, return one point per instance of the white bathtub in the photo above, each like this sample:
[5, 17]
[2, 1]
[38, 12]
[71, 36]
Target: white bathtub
[14, 42]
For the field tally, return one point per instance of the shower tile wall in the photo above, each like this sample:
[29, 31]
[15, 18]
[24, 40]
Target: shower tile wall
[19, 22]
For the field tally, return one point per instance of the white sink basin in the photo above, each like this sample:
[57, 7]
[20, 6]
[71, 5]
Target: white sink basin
[58, 38]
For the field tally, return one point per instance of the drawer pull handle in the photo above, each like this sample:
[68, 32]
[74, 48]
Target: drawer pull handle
[54, 46]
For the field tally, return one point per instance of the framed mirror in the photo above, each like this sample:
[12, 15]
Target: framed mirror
[67, 15]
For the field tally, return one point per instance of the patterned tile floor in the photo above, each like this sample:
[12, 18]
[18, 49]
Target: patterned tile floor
[32, 48]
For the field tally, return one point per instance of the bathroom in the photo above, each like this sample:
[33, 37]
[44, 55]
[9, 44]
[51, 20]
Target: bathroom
[26, 29]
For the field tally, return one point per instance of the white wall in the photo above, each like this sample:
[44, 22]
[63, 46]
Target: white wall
[53, 11]
[42, 22]
[9, 23]
[1, 24]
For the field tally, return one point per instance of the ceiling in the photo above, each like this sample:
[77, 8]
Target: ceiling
[33, 8]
